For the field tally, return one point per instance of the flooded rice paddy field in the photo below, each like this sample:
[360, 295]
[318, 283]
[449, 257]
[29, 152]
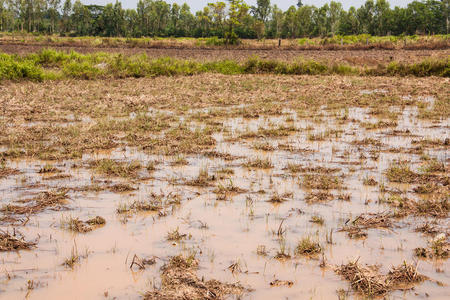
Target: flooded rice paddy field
[212, 186]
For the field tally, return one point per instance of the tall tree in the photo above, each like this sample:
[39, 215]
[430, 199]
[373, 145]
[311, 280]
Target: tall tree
[237, 10]
[262, 10]
[66, 12]
[53, 11]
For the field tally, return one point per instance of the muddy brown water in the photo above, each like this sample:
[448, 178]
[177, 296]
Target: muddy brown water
[235, 228]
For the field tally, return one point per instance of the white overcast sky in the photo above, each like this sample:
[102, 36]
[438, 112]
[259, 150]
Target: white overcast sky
[284, 4]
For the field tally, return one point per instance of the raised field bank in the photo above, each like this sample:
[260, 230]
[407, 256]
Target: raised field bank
[195, 168]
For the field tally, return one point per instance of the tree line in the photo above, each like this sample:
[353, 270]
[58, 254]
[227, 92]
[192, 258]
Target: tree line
[230, 20]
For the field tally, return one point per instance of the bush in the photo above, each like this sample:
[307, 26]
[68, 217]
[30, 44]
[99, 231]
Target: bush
[100, 65]
[81, 70]
[14, 68]
[214, 41]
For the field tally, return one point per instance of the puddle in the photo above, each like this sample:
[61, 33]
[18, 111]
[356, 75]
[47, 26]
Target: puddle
[222, 233]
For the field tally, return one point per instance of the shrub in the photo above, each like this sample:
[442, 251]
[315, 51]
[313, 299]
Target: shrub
[13, 68]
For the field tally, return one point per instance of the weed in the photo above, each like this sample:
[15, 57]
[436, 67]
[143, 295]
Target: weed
[307, 247]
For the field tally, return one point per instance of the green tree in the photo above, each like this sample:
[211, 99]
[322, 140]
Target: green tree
[81, 19]
[334, 14]
[53, 11]
[217, 16]
[304, 17]
[349, 22]
[237, 10]
[66, 13]
[262, 10]
[290, 24]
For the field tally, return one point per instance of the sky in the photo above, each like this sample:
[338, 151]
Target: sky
[283, 4]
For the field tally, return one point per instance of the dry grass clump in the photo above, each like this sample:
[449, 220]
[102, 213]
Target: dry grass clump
[379, 124]
[48, 168]
[321, 136]
[76, 225]
[298, 168]
[75, 257]
[121, 188]
[432, 142]
[427, 188]
[5, 171]
[357, 228]
[276, 131]
[270, 132]
[280, 198]
[179, 160]
[175, 235]
[369, 181]
[96, 221]
[115, 168]
[368, 141]
[264, 146]
[429, 228]
[179, 282]
[152, 204]
[278, 282]
[221, 155]
[320, 196]
[400, 171]
[156, 202]
[203, 178]
[439, 247]
[365, 280]
[433, 166]
[369, 282]
[259, 163]
[224, 190]
[182, 140]
[53, 198]
[317, 220]
[307, 247]
[321, 182]
[436, 205]
[404, 275]
[57, 177]
[10, 242]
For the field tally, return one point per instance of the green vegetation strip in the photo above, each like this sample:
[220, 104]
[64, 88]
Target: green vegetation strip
[51, 64]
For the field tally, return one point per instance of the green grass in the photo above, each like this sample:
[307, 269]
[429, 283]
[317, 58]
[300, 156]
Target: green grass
[52, 64]
[13, 67]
